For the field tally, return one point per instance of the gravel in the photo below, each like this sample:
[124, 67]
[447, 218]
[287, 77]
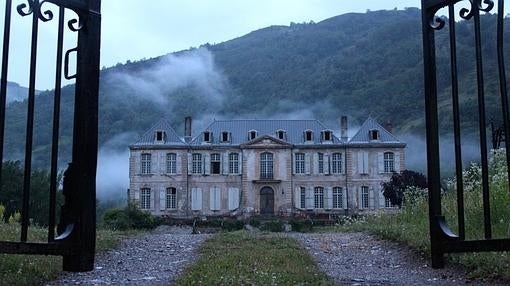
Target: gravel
[362, 259]
[155, 259]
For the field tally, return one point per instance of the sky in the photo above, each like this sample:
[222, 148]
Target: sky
[134, 29]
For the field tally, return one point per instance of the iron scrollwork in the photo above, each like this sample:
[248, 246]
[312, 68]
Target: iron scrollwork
[436, 22]
[34, 6]
[467, 14]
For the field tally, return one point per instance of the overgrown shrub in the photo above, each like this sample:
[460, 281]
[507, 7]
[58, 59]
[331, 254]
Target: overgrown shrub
[130, 217]
[273, 226]
[301, 225]
[226, 224]
[254, 222]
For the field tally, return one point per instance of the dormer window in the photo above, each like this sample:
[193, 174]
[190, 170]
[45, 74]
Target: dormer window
[308, 135]
[207, 136]
[225, 136]
[159, 136]
[281, 134]
[252, 134]
[327, 135]
[374, 135]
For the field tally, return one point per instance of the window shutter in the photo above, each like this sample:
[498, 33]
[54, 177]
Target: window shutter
[207, 164]
[178, 164]
[382, 199]
[190, 162]
[162, 200]
[365, 162]
[326, 164]
[397, 162]
[380, 161]
[162, 163]
[240, 162]
[309, 198]
[360, 201]
[217, 198]
[224, 163]
[233, 198]
[344, 198]
[212, 198]
[196, 199]
[137, 195]
[293, 163]
[316, 163]
[297, 197]
[152, 198]
[138, 164]
[308, 163]
[328, 201]
[360, 163]
[371, 198]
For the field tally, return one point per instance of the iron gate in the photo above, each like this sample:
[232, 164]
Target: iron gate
[442, 238]
[75, 239]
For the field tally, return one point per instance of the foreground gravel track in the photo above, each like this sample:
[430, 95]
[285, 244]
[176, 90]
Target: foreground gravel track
[156, 258]
[362, 259]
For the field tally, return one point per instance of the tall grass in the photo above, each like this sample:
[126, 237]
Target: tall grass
[411, 225]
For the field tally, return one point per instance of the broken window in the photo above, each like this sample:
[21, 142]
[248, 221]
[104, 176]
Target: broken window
[160, 136]
[327, 135]
[252, 134]
[207, 136]
[215, 163]
[308, 135]
[280, 134]
[374, 134]
[225, 136]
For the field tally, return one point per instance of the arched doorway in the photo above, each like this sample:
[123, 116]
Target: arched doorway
[266, 201]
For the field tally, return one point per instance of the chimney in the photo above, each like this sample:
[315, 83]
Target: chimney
[187, 129]
[343, 128]
[389, 126]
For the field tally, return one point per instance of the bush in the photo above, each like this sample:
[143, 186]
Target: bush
[273, 226]
[302, 225]
[129, 217]
[254, 222]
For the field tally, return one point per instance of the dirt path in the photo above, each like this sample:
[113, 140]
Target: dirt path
[153, 259]
[361, 259]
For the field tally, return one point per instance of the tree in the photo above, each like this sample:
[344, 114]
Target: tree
[396, 188]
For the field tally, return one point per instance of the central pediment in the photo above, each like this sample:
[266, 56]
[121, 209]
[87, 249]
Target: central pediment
[266, 141]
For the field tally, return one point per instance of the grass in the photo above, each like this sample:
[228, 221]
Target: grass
[33, 269]
[239, 258]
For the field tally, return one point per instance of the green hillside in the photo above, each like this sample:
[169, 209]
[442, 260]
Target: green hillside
[354, 64]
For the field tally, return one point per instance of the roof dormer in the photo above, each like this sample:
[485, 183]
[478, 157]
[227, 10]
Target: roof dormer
[252, 134]
[308, 136]
[207, 137]
[327, 136]
[281, 134]
[226, 137]
[159, 137]
[374, 135]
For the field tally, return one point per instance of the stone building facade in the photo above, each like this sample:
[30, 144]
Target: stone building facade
[262, 167]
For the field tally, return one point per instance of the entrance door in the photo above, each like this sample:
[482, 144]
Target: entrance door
[266, 201]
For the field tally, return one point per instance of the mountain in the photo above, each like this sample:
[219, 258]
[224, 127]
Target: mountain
[357, 64]
[16, 92]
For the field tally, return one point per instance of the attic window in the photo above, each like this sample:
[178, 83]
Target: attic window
[374, 134]
[207, 136]
[225, 136]
[308, 135]
[280, 134]
[252, 134]
[327, 135]
[159, 136]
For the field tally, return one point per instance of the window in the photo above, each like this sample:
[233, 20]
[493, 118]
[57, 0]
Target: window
[308, 135]
[327, 136]
[387, 203]
[207, 136]
[336, 163]
[299, 160]
[145, 199]
[266, 166]
[146, 163]
[389, 162]
[171, 159]
[302, 194]
[215, 163]
[373, 134]
[321, 163]
[171, 198]
[160, 136]
[225, 136]
[364, 197]
[338, 198]
[280, 134]
[318, 193]
[233, 163]
[196, 164]
[252, 135]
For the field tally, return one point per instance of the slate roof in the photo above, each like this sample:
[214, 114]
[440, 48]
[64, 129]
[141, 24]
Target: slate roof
[171, 138]
[370, 124]
[239, 130]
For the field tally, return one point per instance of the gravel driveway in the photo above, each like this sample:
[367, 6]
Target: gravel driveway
[153, 259]
[361, 259]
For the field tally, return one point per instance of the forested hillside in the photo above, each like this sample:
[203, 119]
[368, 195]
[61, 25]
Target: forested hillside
[358, 65]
